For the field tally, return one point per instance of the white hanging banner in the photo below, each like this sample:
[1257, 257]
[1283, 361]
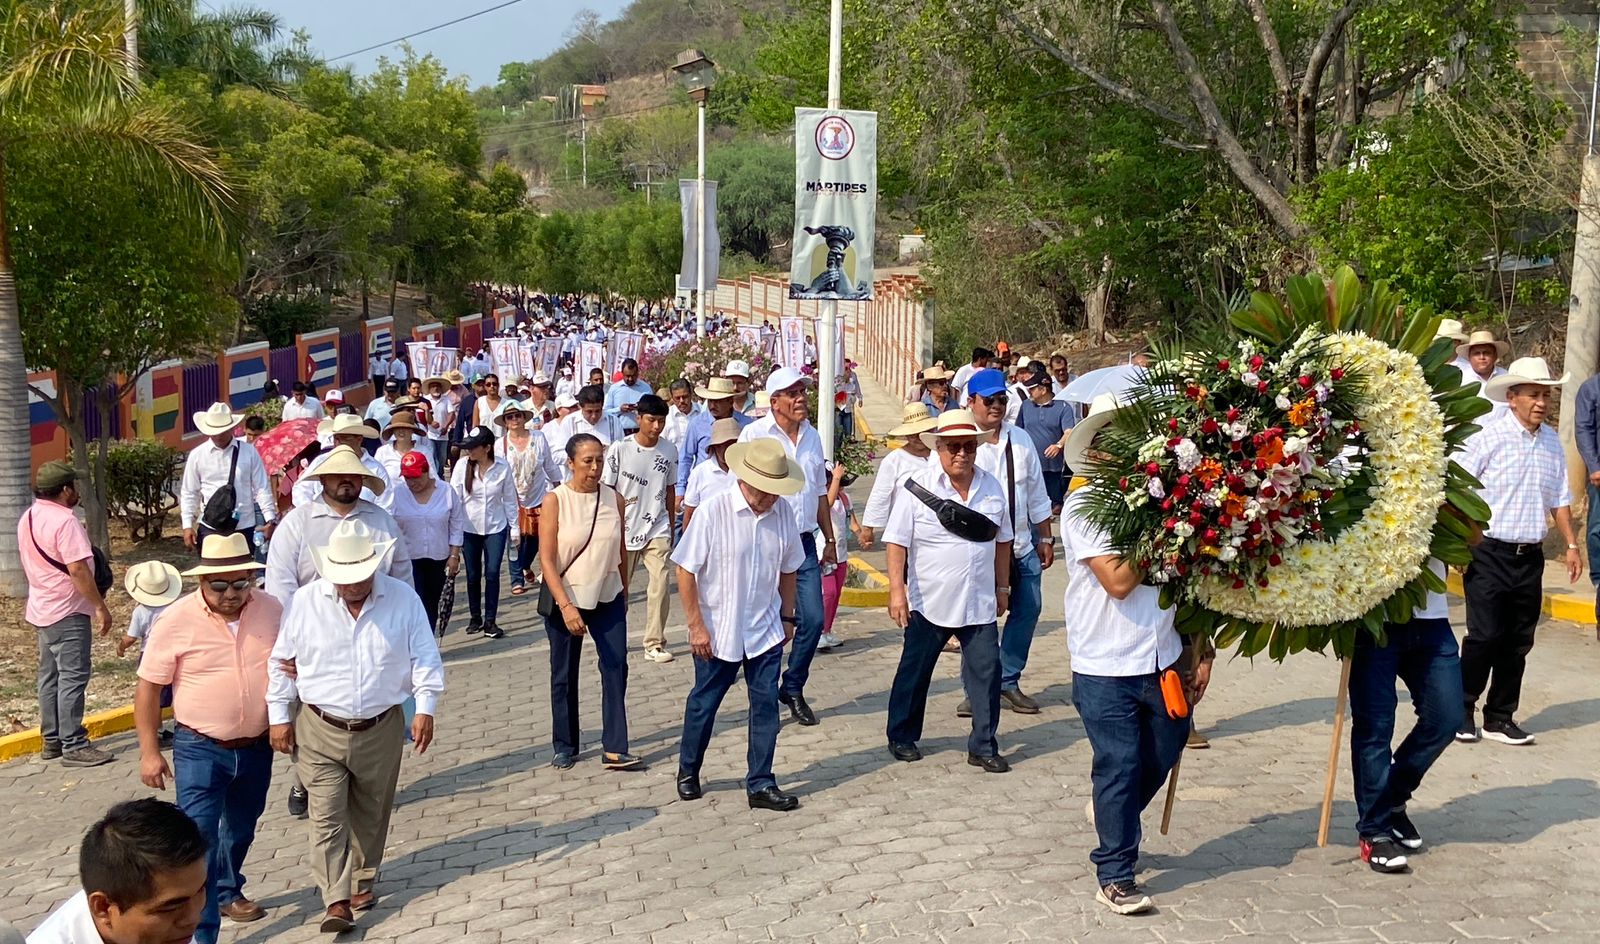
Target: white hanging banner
[835, 203]
[792, 337]
[593, 358]
[441, 361]
[503, 352]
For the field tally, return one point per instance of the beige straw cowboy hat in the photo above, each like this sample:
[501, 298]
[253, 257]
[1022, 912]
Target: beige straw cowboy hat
[224, 554]
[915, 419]
[401, 420]
[153, 583]
[1502, 348]
[351, 554]
[218, 419]
[346, 424]
[344, 461]
[763, 464]
[724, 431]
[717, 388]
[1452, 329]
[954, 424]
[1523, 370]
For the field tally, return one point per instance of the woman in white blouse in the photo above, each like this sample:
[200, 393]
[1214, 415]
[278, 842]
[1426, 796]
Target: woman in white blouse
[482, 480]
[431, 517]
[399, 440]
[533, 472]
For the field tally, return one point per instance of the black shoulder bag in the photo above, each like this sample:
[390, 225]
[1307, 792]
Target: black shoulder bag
[221, 514]
[101, 566]
[958, 519]
[547, 601]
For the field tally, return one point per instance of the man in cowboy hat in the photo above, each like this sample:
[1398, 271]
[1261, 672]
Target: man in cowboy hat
[896, 467]
[949, 547]
[721, 396]
[1007, 454]
[223, 460]
[1452, 330]
[740, 544]
[58, 562]
[712, 476]
[787, 423]
[345, 430]
[1523, 469]
[441, 416]
[212, 647]
[1120, 640]
[1479, 359]
[936, 395]
[355, 645]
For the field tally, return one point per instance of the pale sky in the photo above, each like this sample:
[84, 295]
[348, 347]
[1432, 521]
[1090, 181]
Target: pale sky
[476, 48]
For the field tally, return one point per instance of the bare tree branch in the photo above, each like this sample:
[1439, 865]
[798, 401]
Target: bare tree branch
[1269, 41]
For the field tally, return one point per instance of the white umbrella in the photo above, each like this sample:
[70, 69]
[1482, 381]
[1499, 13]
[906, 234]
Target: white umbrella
[1113, 380]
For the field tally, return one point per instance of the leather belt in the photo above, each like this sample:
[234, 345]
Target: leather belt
[229, 744]
[1515, 548]
[349, 724]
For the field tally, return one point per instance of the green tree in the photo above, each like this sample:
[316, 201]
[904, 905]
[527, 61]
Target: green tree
[755, 194]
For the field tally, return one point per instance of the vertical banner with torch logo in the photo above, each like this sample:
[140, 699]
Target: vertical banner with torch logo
[835, 203]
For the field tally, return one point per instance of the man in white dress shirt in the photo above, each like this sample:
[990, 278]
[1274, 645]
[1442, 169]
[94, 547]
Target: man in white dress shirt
[949, 547]
[591, 417]
[355, 644]
[300, 405]
[900, 464]
[1121, 641]
[208, 467]
[680, 394]
[143, 872]
[711, 476]
[738, 547]
[345, 430]
[787, 423]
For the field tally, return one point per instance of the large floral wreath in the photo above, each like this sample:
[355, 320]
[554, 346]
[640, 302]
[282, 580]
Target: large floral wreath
[1286, 485]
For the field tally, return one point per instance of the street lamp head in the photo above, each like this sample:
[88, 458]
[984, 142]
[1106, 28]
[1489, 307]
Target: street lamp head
[695, 71]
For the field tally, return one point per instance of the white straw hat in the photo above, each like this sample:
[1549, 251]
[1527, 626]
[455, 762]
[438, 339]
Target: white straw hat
[224, 554]
[351, 555]
[1102, 410]
[217, 420]
[763, 464]
[1523, 370]
[153, 583]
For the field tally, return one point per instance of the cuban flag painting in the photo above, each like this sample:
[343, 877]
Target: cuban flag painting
[321, 361]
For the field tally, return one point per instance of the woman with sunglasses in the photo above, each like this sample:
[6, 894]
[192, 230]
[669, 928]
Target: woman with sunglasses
[483, 482]
[532, 472]
[484, 410]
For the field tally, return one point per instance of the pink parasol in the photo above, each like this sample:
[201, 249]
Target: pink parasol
[280, 444]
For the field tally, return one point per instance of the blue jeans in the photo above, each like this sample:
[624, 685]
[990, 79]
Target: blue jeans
[440, 455]
[1135, 745]
[520, 556]
[484, 554]
[608, 627]
[1424, 655]
[1027, 602]
[980, 678]
[808, 616]
[712, 679]
[224, 791]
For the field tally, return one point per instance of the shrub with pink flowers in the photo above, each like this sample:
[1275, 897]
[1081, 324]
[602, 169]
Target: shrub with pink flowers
[697, 360]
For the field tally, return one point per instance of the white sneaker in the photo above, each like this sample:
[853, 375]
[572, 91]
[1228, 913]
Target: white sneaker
[658, 655]
[829, 641]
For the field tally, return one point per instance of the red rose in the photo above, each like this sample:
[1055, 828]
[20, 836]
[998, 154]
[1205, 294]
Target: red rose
[1183, 479]
[1166, 504]
[1180, 493]
[1192, 392]
[1210, 536]
[1261, 387]
[1196, 518]
[1172, 424]
[1262, 583]
[1256, 362]
[1238, 583]
[1123, 483]
[1152, 468]
[1305, 382]
[1336, 374]
[1274, 516]
[1209, 426]
[1274, 559]
[1222, 364]
[1225, 521]
[1174, 441]
[1233, 414]
[1170, 523]
[1253, 528]
[1261, 465]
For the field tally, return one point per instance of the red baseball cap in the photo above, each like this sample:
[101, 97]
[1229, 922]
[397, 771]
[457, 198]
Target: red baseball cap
[413, 465]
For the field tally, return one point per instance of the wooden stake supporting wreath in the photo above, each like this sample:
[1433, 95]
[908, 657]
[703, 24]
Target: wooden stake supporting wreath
[1333, 752]
[1172, 794]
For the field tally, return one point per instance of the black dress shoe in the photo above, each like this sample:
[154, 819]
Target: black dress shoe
[798, 709]
[689, 787]
[771, 798]
[905, 751]
[991, 763]
[299, 802]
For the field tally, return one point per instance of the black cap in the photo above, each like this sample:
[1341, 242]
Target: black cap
[391, 384]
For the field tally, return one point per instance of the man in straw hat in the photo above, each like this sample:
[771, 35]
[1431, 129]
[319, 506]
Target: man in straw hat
[221, 460]
[936, 393]
[1453, 331]
[721, 397]
[212, 647]
[788, 425]
[1120, 642]
[1479, 359]
[740, 543]
[345, 430]
[949, 547]
[896, 467]
[1523, 469]
[58, 562]
[355, 645]
[712, 476]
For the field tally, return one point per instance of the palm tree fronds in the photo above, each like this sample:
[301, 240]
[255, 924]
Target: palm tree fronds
[52, 53]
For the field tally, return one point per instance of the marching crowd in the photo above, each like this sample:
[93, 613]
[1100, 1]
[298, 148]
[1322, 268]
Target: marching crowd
[323, 645]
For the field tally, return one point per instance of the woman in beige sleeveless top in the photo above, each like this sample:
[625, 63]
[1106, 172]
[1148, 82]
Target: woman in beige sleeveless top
[585, 573]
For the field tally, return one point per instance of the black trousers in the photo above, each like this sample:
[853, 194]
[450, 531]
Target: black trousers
[428, 576]
[1503, 589]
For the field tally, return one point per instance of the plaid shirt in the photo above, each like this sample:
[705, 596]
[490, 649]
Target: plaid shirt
[1524, 476]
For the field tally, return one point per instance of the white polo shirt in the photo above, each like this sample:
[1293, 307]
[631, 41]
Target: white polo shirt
[1107, 636]
[68, 924]
[949, 580]
[737, 557]
[808, 452]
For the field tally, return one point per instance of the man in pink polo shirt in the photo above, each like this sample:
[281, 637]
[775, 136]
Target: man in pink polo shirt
[212, 647]
[59, 564]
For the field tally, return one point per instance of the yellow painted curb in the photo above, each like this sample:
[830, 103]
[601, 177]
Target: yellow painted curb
[1561, 606]
[861, 424]
[866, 597]
[100, 724]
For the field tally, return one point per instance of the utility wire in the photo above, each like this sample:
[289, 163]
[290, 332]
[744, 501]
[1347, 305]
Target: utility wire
[459, 19]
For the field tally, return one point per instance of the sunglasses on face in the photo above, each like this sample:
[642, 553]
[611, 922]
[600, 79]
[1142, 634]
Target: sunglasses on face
[223, 586]
[997, 399]
[964, 448]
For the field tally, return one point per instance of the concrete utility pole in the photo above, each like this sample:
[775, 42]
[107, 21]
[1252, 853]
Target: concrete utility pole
[827, 363]
[1583, 305]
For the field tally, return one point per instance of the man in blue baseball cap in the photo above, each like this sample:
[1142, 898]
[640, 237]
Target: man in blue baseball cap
[1008, 454]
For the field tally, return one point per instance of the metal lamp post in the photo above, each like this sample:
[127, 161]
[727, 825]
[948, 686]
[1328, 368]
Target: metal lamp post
[697, 73]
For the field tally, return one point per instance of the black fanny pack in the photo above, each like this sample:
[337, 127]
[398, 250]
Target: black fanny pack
[955, 517]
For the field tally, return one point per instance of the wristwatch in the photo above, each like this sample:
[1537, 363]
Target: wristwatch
[790, 619]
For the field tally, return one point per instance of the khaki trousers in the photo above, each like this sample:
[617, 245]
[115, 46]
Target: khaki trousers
[350, 777]
[657, 603]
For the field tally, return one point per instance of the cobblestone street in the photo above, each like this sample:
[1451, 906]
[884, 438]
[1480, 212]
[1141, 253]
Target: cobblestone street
[490, 844]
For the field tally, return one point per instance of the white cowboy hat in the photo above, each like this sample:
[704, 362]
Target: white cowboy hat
[1523, 370]
[737, 369]
[224, 554]
[1102, 410]
[566, 401]
[351, 555]
[456, 378]
[915, 419]
[1502, 348]
[1452, 329]
[539, 377]
[153, 583]
[717, 388]
[954, 424]
[345, 424]
[936, 372]
[511, 406]
[344, 461]
[217, 420]
[441, 380]
[763, 464]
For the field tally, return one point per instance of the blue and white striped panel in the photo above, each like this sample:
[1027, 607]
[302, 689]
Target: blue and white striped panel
[245, 380]
[383, 342]
[325, 355]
